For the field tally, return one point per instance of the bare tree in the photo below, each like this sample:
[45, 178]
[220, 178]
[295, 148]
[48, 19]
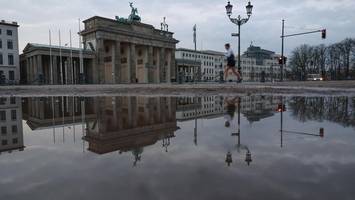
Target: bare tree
[336, 60]
[346, 47]
[300, 61]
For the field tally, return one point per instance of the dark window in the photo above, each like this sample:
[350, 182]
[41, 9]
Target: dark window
[2, 115]
[4, 142]
[13, 100]
[14, 141]
[0, 31]
[11, 75]
[13, 115]
[3, 99]
[9, 32]
[10, 44]
[3, 130]
[0, 44]
[14, 129]
[11, 59]
[1, 59]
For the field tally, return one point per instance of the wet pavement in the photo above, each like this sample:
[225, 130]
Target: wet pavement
[318, 88]
[212, 147]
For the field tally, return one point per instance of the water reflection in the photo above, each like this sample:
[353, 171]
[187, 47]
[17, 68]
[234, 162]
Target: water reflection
[175, 144]
[11, 125]
[335, 109]
[128, 124]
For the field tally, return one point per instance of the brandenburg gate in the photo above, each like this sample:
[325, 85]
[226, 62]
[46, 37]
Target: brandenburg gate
[128, 51]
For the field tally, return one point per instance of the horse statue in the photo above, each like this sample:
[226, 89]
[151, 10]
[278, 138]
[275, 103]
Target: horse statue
[134, 13]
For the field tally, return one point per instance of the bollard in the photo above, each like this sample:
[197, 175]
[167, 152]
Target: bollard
[321, 132]
[248, 159]
[180, 79]
[229, 159]
[221, 77]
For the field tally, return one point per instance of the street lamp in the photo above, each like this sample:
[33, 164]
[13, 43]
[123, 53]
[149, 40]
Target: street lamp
[239, 21]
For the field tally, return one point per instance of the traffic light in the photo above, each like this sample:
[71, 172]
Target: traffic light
[324, 34]
[284, 60]
[280, 61]
[281, 108]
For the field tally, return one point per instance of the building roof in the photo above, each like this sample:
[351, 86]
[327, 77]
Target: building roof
[33, 47]
[55, 47]
[128, 29]
[210, 52]
[3, 22]
[258, 52]
[116, 21]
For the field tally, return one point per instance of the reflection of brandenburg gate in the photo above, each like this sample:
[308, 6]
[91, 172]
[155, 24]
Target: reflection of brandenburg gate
[126, 123]
[129, 51]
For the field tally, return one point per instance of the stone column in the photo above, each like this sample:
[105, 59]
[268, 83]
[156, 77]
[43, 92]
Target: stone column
[70, 72]
[40, 64]
[61, 79]
[149, 67]
[162, 64]
[35, 69]
[132, 64]
[65, 72]
[74, 72]
[157, 66]
[28, 70]
[146, 61]
[172, 70]
[167, 66]
[99, 75]
[29, 79]
[116, 62]
[40, 68]
[55, 70]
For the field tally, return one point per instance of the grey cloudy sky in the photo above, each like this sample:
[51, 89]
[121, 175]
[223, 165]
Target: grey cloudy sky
[36, 17]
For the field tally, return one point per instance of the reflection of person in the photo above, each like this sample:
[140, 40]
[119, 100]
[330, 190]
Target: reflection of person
[231, 63]
[231, 108]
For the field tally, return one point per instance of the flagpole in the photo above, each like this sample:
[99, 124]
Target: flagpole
[50, 57]
[60, 59]
[81, 57]
[71, 58]
[195, 71]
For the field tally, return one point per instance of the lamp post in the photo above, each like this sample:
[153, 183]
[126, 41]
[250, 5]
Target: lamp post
[239, 21]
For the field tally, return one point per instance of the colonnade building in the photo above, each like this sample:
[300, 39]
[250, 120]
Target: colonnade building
[44, 64]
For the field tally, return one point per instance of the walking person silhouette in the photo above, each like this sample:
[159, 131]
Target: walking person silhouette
[231, 63]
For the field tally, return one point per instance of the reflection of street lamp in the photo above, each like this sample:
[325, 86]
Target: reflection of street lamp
[239, 146]
[239, 21]
[248, 158]
[229, 159]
